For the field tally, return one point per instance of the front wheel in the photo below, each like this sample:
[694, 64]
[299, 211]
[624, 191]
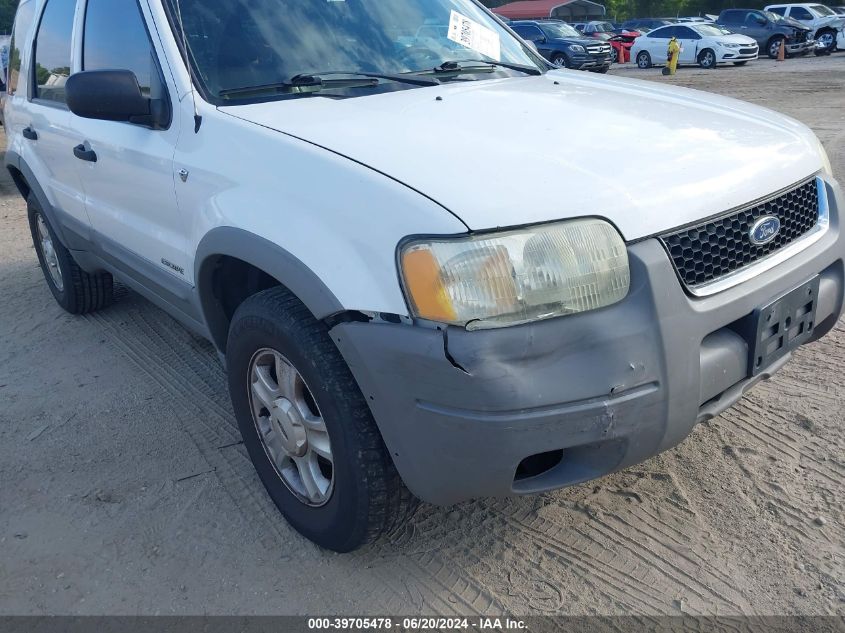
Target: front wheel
[707, 59]
[307, 428]
[774, 47]
[560, 60]
[827, 41]
[643, 60]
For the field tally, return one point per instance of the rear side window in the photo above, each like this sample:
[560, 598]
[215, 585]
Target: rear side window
[52, 50]
[116, 38]
[800, 13]
[662, 33]
[23, 22]
[733, 17]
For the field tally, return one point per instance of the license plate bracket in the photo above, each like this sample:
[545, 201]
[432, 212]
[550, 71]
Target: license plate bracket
[783, 325]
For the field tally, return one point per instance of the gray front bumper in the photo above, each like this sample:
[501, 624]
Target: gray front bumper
[460, 410]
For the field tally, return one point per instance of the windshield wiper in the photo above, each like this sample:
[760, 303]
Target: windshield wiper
[456, 67]
[308, 83]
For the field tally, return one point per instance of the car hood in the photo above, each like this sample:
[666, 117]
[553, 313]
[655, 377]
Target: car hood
[583, 41]
[794, 24]
[506, 152]
[735, 38]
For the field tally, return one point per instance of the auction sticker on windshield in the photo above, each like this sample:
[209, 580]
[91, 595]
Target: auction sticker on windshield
[469, 33]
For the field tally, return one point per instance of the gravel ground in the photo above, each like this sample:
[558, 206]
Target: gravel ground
[125, 491]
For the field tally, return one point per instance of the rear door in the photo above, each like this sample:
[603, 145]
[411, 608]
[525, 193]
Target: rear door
[657, 43]
[43, 116]
[130, 190]
[688, 39]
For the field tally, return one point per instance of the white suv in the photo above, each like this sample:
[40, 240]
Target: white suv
[828, 27]
[408, 297]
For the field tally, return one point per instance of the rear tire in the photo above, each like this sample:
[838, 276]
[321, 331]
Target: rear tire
[643, 60]
[365, 498]
[75, 290]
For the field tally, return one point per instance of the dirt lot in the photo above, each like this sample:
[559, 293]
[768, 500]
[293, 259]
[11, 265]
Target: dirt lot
[125, 491]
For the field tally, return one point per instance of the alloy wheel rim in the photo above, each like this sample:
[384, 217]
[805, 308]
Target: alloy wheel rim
[642, 61]
[774, 48]
[560, 62]
[48, 250]
[290, 427]
[826, 39]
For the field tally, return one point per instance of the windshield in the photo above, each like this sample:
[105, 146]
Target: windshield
[235, 44]
[708, 30]
[822, 10]
[774, 17]
[603, 27]
[558, 30]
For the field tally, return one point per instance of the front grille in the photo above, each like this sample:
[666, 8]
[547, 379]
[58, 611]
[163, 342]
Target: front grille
[598, 49]
[718, 247]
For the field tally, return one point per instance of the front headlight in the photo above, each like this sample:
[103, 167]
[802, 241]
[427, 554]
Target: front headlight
[576, 48]
[730, 45]
[514, 277]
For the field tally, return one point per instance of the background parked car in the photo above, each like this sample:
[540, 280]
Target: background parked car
[828, 27]
[839, 10]
[769, 29]
[563, 46]
[704, 44]
[620, 39]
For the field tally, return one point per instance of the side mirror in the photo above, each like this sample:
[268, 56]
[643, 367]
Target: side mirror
[112, 95]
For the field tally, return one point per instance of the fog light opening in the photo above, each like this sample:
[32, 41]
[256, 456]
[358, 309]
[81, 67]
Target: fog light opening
[538, 464]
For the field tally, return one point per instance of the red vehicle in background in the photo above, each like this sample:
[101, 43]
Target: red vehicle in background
[620, 40]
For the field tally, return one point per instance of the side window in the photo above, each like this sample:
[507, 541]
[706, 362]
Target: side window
[530, 33]
[52, 50]
[754, 19]
[800, 13]
[732, 17]
[662, 34]
[686, 33]
[23, 22]
[116, 39]
[778, 10]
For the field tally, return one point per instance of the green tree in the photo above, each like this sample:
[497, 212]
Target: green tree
[7, 15]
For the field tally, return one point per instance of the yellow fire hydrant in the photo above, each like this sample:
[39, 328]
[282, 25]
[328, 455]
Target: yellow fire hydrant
[672, 56]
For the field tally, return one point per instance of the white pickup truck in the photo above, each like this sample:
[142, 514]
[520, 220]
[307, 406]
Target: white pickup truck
[828, 26]
[423, 279]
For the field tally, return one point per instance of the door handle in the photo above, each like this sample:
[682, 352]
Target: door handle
[29, 133]
[82, 153]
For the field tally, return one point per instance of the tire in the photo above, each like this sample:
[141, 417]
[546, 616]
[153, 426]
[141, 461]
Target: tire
[827, 37]
[707, 59]
[603, 70]
[741, 63]
[643, 60]
[365, 497]
[75, 290]
[773, 46]
[614, 55]
[560, 60]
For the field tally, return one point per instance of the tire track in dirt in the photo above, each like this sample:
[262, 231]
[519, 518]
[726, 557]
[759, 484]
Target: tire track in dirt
[187, 371]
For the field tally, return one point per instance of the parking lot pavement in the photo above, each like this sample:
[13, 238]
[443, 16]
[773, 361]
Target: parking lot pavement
[124, 489]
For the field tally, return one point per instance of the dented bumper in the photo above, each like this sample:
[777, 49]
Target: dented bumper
[587, 394]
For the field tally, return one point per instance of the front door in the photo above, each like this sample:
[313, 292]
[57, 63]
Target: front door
[126, 168]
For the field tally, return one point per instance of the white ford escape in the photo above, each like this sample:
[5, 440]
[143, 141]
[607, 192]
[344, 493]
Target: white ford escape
[380, 213]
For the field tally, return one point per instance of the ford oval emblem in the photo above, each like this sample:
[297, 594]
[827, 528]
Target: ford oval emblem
[764, 230]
